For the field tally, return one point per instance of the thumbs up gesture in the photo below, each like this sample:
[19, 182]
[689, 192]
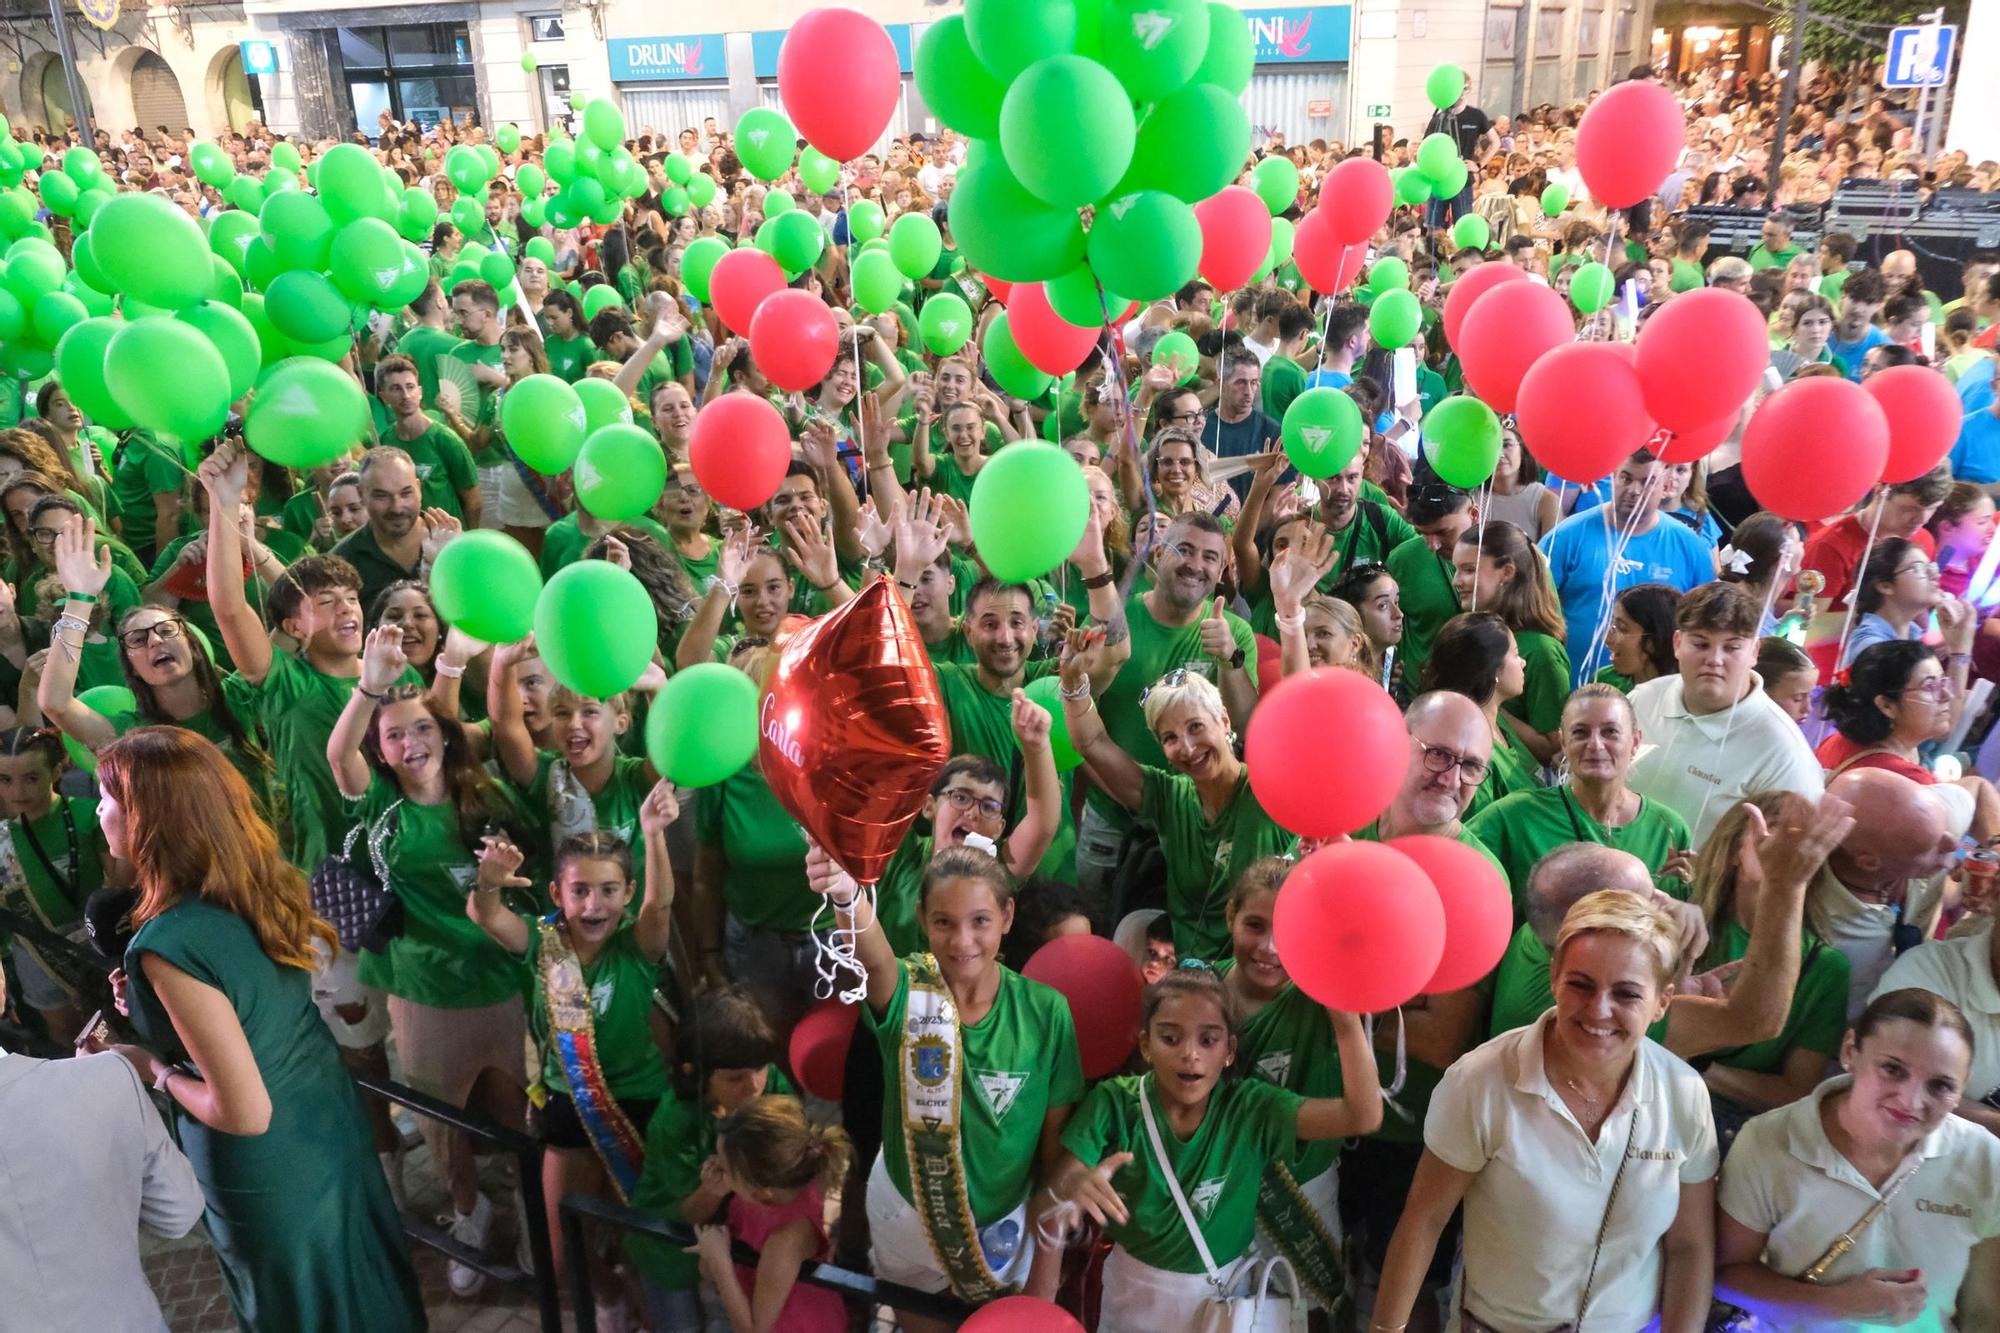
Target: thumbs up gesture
[1216, 639]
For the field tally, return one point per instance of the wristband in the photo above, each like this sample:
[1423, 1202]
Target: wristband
[906, 585]
[715, 583]
[450, 672]
[90, 598]
[1103, 580]
[1292, 624]
[1082, 690]
[372, 695]
[67, 621]
[160, 1079]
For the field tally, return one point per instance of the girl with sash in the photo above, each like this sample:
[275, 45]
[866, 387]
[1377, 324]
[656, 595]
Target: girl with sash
[591, 974]
[982, 1071]
[1292, 1040]
[1216, 1133]
[52, 858]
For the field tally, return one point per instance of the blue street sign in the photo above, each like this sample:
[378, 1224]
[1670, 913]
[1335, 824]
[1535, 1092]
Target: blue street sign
[259, 57]
[1919, 56]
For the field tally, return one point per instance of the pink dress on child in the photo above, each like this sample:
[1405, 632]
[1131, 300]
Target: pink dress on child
[809, 1309]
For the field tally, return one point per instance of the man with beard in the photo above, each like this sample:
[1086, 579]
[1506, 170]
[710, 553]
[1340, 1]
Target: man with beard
[390, 546]
[1364, 527]
[1179, 624]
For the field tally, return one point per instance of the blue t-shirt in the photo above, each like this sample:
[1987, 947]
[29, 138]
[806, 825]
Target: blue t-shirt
[1850, 354]
[1579, 552]
[1976, 456]
[1870, 629]
[1328, 378]
[1975, 386]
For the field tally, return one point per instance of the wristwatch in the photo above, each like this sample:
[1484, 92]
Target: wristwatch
[1236, 660]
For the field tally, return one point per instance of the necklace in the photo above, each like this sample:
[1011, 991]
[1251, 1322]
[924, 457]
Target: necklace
[1588, 1098]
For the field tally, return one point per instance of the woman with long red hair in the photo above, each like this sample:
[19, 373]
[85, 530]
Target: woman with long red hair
[218, 980]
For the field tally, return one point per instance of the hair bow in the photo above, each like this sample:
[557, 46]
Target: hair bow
[1733, 560]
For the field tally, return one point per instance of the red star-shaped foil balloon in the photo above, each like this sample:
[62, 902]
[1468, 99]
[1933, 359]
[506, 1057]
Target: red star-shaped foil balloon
[853, 729]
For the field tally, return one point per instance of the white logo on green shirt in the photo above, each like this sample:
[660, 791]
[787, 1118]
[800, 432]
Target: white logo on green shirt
[463, 876]
[1205, 1194]
[1276, 1066]
[424, 471]
[1000, 1090]
[1222, 851]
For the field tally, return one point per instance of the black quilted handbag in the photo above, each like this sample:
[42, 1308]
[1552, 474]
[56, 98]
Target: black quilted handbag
[354, 895]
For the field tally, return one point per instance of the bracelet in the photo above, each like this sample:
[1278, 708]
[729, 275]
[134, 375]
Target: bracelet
[372, 695]
[68, 621]
[160, 1079]
[846, 905]
[450, 672]
[90, 598]
[716, 583]
[1104, 580]
[1958, 659]
[1293, 623]
[1082, 690]
[906, 585]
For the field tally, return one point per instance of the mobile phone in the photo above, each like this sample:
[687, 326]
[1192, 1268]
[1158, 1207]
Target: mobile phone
[94, 1030]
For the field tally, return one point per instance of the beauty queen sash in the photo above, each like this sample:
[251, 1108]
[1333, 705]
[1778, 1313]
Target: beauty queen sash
[572, 1029]
[931, 1066]
[1295, 1226]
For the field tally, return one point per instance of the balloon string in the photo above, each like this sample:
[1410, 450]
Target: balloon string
[1854, 585]
[1141, 546]
[854, 332]
[835, 951]
[1624, 533]
[1402, 1067]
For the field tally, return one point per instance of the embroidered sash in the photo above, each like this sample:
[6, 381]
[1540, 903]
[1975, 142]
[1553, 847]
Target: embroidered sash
[1291, 1221]
[17, 896]
[572, 1031]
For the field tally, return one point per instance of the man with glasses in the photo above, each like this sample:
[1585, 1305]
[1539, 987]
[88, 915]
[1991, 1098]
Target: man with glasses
[1901, 510]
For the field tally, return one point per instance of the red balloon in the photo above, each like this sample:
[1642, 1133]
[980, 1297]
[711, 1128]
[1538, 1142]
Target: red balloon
[1506, 331]
[1002, 289]
[819, 1048]
[1689, 446]
[1050, 342]
[1628, 141]
[1580, 410]
[1478, 910]
[1814, 448]
[1325, 263]
[1235, 236]
[1270, 656]
[1478, 280]
[839, 81]
[739, 283]
[740, 449]
[1701, 357]
[1021, 1314]
[1924, 418]
[794, 339]
[1102, 985]
[1360, 927]
[854, 729]
[1311, 787]
[1356, 199]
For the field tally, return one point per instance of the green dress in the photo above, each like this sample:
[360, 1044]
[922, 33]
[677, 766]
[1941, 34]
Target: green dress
[300, 1215]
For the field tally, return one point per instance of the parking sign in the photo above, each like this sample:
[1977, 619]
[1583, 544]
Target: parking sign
[1919, 56]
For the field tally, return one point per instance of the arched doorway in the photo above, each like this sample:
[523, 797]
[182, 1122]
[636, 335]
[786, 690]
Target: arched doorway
[156, 96]
[239, 99]
[56, 111]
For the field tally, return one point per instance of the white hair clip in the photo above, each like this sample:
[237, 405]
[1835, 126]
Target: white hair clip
[1733, 560]
[983, 843]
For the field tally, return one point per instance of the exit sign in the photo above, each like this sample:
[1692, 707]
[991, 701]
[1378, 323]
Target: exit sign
[1378, 111]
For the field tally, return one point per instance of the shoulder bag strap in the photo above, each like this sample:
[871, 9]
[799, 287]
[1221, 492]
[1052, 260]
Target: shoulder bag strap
[1590, 1279]
[1174, 1187]
[378, 838]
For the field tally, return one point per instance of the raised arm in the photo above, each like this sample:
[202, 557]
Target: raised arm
[512, 744]
[1110, 767]
[1029, 842]
[822, 446]
[669, 326]
[808, 552]
[853, 913]
[1358, 1109]
[1243, 537]
[655, 924]
[382, 665]
[224, 474]
[697, 643]
[878, 467]
[499, 870]
[1292, 577]
[85, 570]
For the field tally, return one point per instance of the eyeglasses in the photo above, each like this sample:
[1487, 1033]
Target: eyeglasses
[1193, 418]
[1936, 690]
[166, 631]
[45, 536]
[1172, 680]
[967, 802]
[1177, 463]
[1927, 568]
[1439, 760]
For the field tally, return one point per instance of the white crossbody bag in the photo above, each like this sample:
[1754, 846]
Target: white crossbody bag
[1259, 1311]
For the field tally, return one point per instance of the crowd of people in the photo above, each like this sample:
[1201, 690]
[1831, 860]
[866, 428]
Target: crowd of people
[1738, 1067]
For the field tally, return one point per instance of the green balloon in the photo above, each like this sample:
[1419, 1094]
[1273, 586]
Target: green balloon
[1045, 691]
[1076, 297]
[485, 583]
[1231, 58]
[230, 234]
[298, 230]
[17, 211]
[413, 274]
[496, 270]
[366, 260]
[620, 473]
[865, 220]
[765, 143]
[953, 82]
[1283, 233]
[33, 274]
[1028, 509]
[1191, 145]
[1178, 351]
[1462, 439]
[542, 248]
[1434, 158]
[559, 161]
[1471, 232]
[915, 245]
[819, 172]
[275, 182]
[698, 261]
[1010, 368]
[1395, 318]
[509, 138]
[416, 215]
[55, 314]
[797, 240]
[13, 316]
[58, 193]
[1555, 198]
[1155, 46]
[1007, 36]
[306, 412]
[530, 181]
[1452, 183]
[1322, 431]
[468, 215]
[1444, 85]
[604, 404]
[701, 190]
[245, 193]
[168, 378]
[1038, 118]
[600, 298]
[465, 168]
[702, 728]
[211, 165]
[80, 367]
[351, 185]
[778, 201]
[596, 628]
[82, 167]
[542, 418]
[89, 203]
[107, 701]
[877, 284]
[529, 63]
[604, 123]
[1592, 287]
[235, 340]
[99, 304]
[1276, 182]
[1145, 245]
[306, 307]
[1003, 230]
[945, 324]
[151, 250]
[1410, 185]
[1388, 275]
[285, 155]
[679, 170]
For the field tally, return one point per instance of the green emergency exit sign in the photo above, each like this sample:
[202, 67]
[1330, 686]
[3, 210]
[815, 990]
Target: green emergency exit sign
[1378, 111]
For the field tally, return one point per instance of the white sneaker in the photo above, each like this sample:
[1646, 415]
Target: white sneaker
[392, 1171]
[470, 1230]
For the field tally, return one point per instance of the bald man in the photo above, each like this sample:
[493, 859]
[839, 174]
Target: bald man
[1451, 745]
[1521, 990]
[1881, 890]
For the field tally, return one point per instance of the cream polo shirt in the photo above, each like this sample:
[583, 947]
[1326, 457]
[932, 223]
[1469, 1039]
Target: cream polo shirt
[1961, 970]
[1787, 1182]
[1701, 765]
[1864, 931]
[1533, 1211]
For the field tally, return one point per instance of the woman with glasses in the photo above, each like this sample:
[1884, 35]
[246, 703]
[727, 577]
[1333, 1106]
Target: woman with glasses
[1894, 597]
[1895, 699]
[1474, 655]
[28, 553]
[1180, 478]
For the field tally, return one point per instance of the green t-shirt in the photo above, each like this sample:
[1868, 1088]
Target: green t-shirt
[1248, 1125]
[569, 358]
[1522, 991]
[240, 698]
[1686, 277]
[1545, 676]
[1290, 1042]
[1763, 257]
[1511, 769]
[1020, 1062]
[699, 568]
[896, 894]
[1818, 1017]
[766, 885]
[669, 363]
[1205, 857]
[1423, 582]
[1615, 678]
[899, 454]
[614, 808]
[441, 958]
[949, 478]
[1528, 825]
[564, 541]
[621, 981]
[1156, 650]
[480, 403]
[1284, 380]
[62, 858]
[983, 723]
[424, 345]
[444, 466]
[196, 610]
[146, 467]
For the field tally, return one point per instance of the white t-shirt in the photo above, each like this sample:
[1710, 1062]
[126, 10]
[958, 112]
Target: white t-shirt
[1699, 766]
[1864, 930]
[1264, 351]
[1533, 1211]
[1787, 1182]
[1961, 970]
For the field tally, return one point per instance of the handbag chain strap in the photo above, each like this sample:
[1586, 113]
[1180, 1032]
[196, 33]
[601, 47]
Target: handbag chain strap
[1174, 1187]
[1590, 1279]
[378, 837]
